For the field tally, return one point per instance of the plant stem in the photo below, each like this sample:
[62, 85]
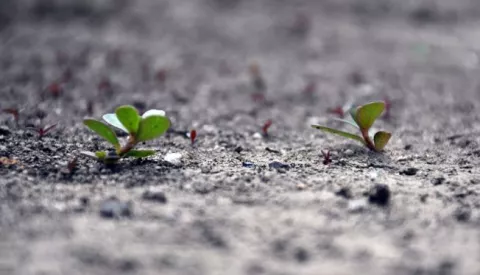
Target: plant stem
[368, 140]
[131, 142]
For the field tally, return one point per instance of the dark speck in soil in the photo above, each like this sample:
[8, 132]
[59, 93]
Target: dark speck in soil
[278, 165]
[156, 196]
[379, 195]
[411, 171]
[344, 192]
[114, 208]
[438, 181]
[248, 164]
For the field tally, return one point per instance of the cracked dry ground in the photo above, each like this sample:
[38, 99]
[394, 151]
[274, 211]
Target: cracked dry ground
[415, 209]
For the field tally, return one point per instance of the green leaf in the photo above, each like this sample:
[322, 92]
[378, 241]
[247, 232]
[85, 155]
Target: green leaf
[113, 120]
[152, 127]
[103, 131]
[381, 139]
[128, 116]
[340, 133]
[140, 153]
[366, 115]
[101, 155]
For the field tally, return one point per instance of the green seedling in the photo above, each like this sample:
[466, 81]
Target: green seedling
[150, 125]
[363, 119]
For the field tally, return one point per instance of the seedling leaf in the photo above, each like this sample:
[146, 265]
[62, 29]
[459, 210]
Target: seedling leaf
[366, 115]
[140, 153]
[89, 154]
[103, 131]
[338, 132]
[113, 120]
[152, 127]
[128, 117]
[101, 155]
[381, 139]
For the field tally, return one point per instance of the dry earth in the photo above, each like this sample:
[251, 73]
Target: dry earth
[415, 209]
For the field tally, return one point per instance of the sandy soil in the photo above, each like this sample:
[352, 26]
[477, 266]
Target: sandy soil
[415, 209]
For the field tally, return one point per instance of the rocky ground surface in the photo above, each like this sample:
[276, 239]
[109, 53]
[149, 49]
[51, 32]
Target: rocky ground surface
[238, 202]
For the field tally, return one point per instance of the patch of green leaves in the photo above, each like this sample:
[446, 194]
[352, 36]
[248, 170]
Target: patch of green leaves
[151, 125]
[364, 117]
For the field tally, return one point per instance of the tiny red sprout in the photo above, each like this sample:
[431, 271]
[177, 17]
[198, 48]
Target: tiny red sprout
[161, 75]
[310, 88]
[72, 165]
[54, 89]
[90, 106]
[337, 111]
[326, 157]
[105, 85]
[67, 75]
[302, 24]
[266, 126]
[193, 135]
[388, 107]
[14, 112]
[258, 97]
[42, 131]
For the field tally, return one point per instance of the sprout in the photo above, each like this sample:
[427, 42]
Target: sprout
[150, 125]
[363, 119]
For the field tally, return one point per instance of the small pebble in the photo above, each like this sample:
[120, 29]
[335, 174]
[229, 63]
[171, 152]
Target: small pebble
[344, 192]
[113, 208]
[257, 136]
[462, 214]
[173, 158]
[438, 181]
[349, 152]
[379, 195]
[301, 186]
[155, 196]
[411, 171]
[356, 206]
[248, 164]
[278, 165]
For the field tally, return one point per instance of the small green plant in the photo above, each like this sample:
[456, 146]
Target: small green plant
[363, 119]
[150, 125]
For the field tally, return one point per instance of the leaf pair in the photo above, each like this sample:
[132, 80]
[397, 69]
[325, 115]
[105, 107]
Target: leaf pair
[363, 119]
[150, 125]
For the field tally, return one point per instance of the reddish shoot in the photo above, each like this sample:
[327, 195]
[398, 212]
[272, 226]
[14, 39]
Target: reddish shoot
[266, 126]
[42, 131]
[326, 157]
[337, 111]
[161, 75]
[310, 89]
[72, 165]
[193, 136]
[54, 89]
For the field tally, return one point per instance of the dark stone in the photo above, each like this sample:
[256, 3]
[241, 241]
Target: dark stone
[278, 165]
[408, 147]
[411, 171]
[248, 164]
[301, 255]
[4, 131]
[114, 208]
[238, 149]
[438, 181]
[462, 214]
[379, 195]
[344, 192]
[156, 196]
